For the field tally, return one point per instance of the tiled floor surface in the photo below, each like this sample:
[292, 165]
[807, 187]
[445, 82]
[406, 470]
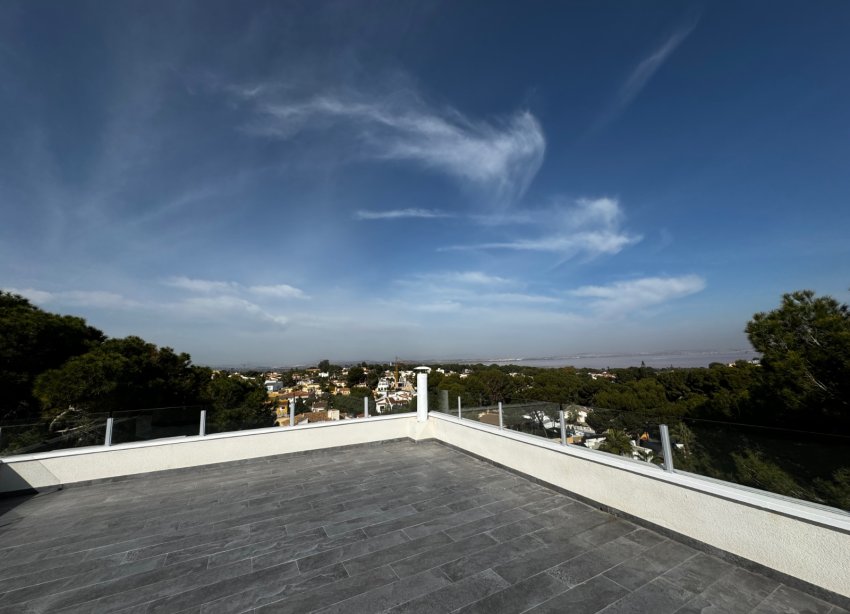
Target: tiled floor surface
[399, 527]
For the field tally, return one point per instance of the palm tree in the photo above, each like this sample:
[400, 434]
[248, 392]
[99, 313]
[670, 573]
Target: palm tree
[617, 441]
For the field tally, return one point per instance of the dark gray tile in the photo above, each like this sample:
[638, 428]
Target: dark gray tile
[785, 600]
[583, 567]
[607, 531]
[490, 557]
[390, 595]
[331, 593]
[737, 591]
[493, 521]
[557, 518]
[542, 559]
[444, 523]
[361, 564]
[456, 595]
[259, 590]
[441, 555]
[698, 573]
[352, 550]
[233, 589]
[586, 598]
[658, 597]
[518, 597]
[257, 534]
[652, 563]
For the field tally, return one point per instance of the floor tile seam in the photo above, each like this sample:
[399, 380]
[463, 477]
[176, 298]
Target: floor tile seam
[766, 597]
[212, 535]
[217, 552]
[720, 578]
[212, 540]
[631, 593]
[661, 575]
[313, 590]
[380, 521]
[264, 571]
[593, 549]
[77, 587]
[68, 566]
[558, 594]
[31, 546]
[395, 519]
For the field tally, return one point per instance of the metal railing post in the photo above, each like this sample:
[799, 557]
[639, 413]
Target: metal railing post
[458, 409]
[563, 428]
[107, 439]
[501, 420]
[203, 428]
[422, 393]
[365, 407]
[291, 412]
[668, 449]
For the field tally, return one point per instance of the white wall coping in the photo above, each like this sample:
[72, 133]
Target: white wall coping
[794, 508]
[170, 441]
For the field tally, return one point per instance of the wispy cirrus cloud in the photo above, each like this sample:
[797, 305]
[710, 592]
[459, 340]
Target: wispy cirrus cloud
[200, 285]
[643, 72]
[396, 214]
[278, 291]
[99, 299]
[622, 297]
[218, 307]
[229, 308]
[500, 157]
[647, 67]
[459, 290]
[588, 227]
[209, 286]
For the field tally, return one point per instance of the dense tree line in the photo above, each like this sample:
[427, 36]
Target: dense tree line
[58, 372]
[782, 425]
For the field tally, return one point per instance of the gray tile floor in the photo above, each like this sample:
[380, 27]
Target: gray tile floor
[399, 527]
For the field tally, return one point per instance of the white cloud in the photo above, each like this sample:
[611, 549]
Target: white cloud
[77, 298]
[36, 296]
[95, 298]
[394, 214]
[200, 285]
[633, 295]
[501, 157]
[217, 307]
[206, 286]
[278, 291]
[469, 291]
[589, 227]
[647, 67]
[464, 277]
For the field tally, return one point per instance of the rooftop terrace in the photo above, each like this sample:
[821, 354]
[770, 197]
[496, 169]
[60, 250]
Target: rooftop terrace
[385, 526]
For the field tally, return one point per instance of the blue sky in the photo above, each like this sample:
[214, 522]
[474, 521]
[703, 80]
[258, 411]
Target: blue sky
[283, 182]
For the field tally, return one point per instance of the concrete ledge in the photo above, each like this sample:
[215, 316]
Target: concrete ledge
[810, 543]
[83, 465]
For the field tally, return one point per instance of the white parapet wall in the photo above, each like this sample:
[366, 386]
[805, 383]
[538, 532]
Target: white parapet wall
[805, 541]
[62, 467]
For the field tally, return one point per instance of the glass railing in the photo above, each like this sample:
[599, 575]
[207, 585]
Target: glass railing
[794, 462]
[159, 423]
[82, 429]
[805, 465]
[70, 432]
